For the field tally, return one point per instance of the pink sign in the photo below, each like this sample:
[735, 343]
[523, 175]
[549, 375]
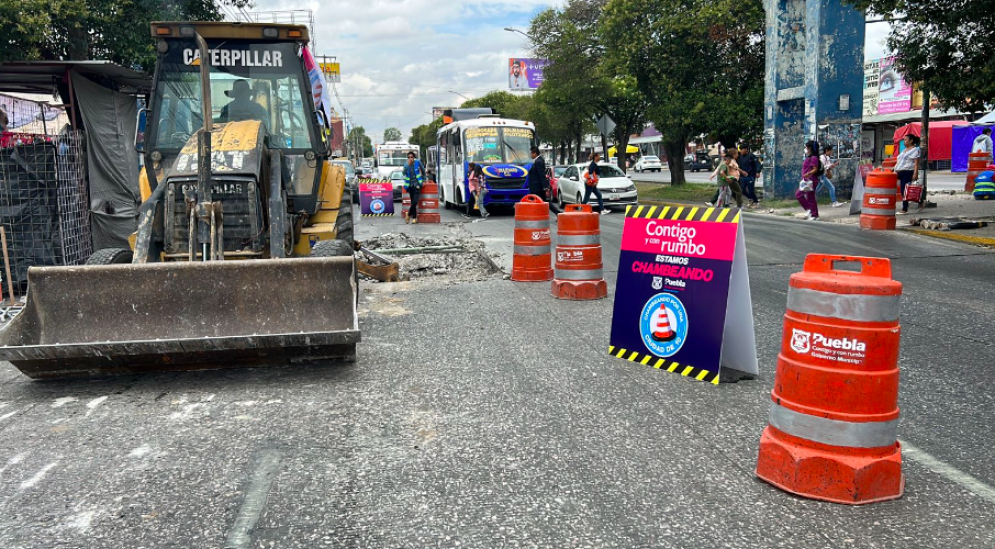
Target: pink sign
[694, 239]
[894, 93]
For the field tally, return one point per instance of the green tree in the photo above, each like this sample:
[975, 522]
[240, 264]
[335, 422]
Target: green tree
[358, 136]
[698, 62]
[506, 104]
[584, 74]
[79, 30]
[391, 134]
[424, 135]
[946, 45]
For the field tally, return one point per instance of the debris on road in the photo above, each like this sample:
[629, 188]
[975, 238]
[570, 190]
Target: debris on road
[951, 223]
[456, 257]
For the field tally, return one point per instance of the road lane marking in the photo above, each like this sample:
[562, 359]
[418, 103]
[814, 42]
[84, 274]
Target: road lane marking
[240, 536]
[38, 476]
[949, 472]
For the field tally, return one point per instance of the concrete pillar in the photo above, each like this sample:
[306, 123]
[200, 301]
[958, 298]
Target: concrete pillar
[814, 89]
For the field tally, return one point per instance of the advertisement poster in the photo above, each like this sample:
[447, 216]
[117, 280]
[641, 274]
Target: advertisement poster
[872, 74]
[376, 198]
[526, 73]
[894, 93]
[682, 300]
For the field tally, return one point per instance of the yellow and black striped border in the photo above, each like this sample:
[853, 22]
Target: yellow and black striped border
[378, 215]
[677, 212]
[661, 364]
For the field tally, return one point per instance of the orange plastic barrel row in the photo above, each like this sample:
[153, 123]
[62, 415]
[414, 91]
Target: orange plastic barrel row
[877, 209]
[579, 273]
[428, 205]
[833, 430]
[531, 261]
[889, 163]
[976, 163]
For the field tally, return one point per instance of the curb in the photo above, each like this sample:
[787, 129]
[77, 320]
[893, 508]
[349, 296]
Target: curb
[974, 240]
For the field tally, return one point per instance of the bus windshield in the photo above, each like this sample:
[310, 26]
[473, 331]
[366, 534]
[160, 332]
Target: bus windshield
[249, 81]
[395, 158]
[498, 145]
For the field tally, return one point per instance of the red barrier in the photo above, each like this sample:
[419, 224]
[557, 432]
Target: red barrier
[579, 273]
[976, 163]
[877, 210]
[834, 410]
[428, 204]
[531, 261]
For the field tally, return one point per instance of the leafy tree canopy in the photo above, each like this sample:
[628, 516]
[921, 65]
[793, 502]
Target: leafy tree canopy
[358, 135]
[79, 30]
[947, 45]
[700, 64]
[391, 134]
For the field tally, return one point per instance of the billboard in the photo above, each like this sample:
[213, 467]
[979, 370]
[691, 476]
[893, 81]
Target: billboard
[437, 112]
[332, 71]
[894, 93]
[872, 73]
[525, 73]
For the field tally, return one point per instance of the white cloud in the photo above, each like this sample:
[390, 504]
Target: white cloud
[875, 38]
[400, 58]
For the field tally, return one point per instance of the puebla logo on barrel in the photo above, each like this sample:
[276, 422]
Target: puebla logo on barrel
[663, 325]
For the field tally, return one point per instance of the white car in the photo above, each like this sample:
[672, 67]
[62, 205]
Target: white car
[615, 187]
[648, 164]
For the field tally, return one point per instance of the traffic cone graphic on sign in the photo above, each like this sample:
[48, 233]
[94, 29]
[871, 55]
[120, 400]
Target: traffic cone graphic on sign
[663, 332]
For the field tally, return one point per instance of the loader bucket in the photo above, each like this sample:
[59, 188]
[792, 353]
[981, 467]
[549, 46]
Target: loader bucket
[115, 319]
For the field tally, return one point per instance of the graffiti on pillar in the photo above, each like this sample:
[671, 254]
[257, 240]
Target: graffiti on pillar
[844, 137]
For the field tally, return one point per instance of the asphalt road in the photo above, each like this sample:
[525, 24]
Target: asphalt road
[488, 414]
[937, 181]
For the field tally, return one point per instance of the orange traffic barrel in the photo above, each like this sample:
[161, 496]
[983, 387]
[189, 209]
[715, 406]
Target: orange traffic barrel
[531, 262]
[428, 205]
[976, 163]
[405, 202]
[579, 273]
[877, 211]
[833, 430]
[889, 163]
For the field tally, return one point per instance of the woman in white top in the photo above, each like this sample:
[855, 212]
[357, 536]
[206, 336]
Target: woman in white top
[907, 167]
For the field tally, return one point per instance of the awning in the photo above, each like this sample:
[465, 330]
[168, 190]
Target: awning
[629, 149]
[645, 140]
[43, 76]
[910, 116]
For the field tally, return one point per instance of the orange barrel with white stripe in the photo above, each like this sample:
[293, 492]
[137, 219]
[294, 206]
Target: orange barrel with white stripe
[889, 163]
[405, 202]
[976, 163]
[531, 261]
[877, 210]
[578, 273]
[428, 205]
[833, 432]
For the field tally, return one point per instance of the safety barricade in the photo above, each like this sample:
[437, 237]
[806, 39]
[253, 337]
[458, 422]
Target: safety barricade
[428, 205]
[877, 210]
[531, 261]
[405, 202]
[834, 413]
[977, 162]
[579, 273]
[889, 163]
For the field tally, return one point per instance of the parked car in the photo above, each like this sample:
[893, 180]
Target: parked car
[699, 161]
[648, 163]
[397, 181]
[615, 187]
[350, 179]
[554, 174]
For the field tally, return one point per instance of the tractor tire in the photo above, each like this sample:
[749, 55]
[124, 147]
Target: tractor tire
[111, 256]
[344, 221]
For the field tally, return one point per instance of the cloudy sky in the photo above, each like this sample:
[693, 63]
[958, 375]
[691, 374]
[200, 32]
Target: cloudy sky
[400, 58]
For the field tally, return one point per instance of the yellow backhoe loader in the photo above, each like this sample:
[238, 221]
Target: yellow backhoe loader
[244, 248]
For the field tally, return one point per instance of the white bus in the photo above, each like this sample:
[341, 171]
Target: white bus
[501, 146]
[392, 155]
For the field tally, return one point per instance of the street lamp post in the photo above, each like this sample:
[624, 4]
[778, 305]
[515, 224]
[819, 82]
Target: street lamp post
[459, 94]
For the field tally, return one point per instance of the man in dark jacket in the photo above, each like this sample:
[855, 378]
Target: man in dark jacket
[538, 179]
[749, 166]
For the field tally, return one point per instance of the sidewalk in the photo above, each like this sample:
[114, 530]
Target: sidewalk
[948, 204]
